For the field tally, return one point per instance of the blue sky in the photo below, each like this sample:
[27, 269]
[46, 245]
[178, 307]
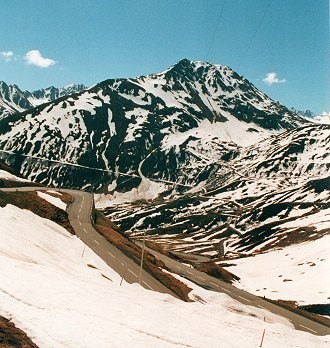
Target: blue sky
[282, 46]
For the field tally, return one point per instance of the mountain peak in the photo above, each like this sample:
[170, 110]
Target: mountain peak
[186, 64]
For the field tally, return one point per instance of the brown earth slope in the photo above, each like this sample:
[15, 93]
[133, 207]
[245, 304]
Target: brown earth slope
[31, 201]
[12, 337]
[151, 264]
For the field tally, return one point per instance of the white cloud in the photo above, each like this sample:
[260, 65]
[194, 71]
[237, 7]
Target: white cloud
[34, 57]
[7, 55]
[272, 78]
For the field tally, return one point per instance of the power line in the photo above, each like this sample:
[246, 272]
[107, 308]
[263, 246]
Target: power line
[215, 30]
[97, 169]
[254, 35]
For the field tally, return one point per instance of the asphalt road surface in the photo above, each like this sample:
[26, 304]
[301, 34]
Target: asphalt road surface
[214, 284]
[80, 217]
[79, 212]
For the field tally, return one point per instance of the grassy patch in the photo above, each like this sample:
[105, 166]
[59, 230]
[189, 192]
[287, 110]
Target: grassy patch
[31, 201]
[12, 337]
[151, 264]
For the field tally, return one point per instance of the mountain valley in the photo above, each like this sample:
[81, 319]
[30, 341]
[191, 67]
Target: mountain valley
[195, 159]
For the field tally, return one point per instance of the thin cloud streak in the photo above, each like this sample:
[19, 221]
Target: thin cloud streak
[7, 55]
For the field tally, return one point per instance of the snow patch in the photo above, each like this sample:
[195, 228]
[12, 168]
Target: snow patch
[52, 200]
[7, 176]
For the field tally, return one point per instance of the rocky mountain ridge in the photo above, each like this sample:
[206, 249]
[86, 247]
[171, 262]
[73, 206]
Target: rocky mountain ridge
[158, 126]
[14, 100]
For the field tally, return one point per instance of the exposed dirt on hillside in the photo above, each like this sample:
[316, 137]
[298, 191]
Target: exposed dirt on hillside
[216, 271]
[301, 310]
[12, 337]
[151, 264]
[210, 268]
[31, 201]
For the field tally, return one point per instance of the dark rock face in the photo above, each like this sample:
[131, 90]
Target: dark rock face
[162, 126]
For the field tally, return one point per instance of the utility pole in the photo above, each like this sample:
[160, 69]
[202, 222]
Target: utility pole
[142, 254]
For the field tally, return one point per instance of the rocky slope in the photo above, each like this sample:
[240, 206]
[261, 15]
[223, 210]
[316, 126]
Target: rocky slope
[274, 193]
[159, 126]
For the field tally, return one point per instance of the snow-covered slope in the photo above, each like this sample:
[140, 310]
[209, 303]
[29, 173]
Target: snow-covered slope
[271, 195]
[61, 299]
[324, 117]
[303, 151]
[297, 272]
[281, 179]
[239, 218]
[4, 175]
[158, 126]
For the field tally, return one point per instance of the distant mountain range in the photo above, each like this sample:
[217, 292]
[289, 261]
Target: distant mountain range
[324, 117]
[13, 99]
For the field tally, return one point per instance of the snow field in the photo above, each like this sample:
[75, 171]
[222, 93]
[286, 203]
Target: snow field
[48, 289]
[7, 176]
[297, 272]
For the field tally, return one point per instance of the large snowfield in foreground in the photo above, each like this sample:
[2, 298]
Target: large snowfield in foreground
[49, 291]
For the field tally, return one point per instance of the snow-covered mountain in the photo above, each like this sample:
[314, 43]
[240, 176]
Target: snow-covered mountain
[323, 117]
[212, 164]
[52, 93]
[159, 126]
[271, 200]
[269, 189]
[14, 100]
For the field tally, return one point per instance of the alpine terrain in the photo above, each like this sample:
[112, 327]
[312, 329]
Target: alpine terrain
[155, 126]
[13, 100]
[196, 159]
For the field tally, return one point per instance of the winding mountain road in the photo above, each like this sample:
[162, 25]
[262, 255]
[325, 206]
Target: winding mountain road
[79, 212]
[214, 284]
